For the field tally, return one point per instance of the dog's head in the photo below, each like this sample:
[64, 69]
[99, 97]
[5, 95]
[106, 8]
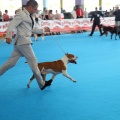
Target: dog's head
[71, 58]
[102, 26]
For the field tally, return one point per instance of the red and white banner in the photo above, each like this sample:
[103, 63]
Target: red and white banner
[65, 25]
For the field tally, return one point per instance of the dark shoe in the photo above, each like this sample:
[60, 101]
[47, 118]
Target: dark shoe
[90, 34]
[100, 34]
[50, 81]
[47, 83]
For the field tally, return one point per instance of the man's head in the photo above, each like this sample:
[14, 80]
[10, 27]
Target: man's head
[95, 8]
[6, 11]
[32, 6]
[117, 8]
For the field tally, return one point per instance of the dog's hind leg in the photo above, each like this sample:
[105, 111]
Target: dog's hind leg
[111, 36]
[116, 37]
[43, 77]
[31, 79]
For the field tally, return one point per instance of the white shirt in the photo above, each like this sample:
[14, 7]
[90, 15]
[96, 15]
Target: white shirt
[85, 14]
[74, 14]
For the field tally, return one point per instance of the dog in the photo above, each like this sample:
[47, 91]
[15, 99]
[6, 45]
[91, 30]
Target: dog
[112, 30]
[55, 68]
[2, 37]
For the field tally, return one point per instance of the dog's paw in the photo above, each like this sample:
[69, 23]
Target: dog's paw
[28, 85]
[74, 81]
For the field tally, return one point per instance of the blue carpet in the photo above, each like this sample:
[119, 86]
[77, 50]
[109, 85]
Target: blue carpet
[95, 96]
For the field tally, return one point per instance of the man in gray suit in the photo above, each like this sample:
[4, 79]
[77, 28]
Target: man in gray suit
[23, 22]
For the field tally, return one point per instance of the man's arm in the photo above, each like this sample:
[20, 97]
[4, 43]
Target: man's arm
[13, 24]
[92, 16]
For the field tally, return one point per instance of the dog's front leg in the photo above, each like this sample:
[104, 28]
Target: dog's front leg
[66, 75]
[53, 76]
[116, 37]
[111, 36]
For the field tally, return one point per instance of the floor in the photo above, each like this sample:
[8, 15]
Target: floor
[95, 95]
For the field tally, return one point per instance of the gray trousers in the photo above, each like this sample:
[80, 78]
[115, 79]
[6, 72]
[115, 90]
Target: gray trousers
[26, 51]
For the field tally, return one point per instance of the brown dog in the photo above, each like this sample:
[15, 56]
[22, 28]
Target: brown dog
[106, 29]
[112, 30]
[55, 67]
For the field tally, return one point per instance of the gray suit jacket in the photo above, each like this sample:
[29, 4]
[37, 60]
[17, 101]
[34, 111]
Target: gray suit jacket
[23, 24]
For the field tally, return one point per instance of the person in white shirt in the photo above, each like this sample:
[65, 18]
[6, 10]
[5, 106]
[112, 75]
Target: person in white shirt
[57, 15]
[73, 13]
[85, 14]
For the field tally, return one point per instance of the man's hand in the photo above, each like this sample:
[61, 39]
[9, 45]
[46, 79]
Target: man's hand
[8, 40]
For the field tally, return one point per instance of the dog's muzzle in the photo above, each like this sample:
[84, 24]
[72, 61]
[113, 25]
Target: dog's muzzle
[73, 60]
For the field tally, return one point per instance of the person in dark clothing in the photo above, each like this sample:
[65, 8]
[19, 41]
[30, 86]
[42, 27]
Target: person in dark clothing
[117, 18]
[96, 15]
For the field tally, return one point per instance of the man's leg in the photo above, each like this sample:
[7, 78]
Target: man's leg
[100, 29]
[28, 53]
[16, 54]
[93, 28]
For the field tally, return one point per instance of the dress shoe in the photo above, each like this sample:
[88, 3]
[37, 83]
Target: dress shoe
[50, 82]
[47, 83]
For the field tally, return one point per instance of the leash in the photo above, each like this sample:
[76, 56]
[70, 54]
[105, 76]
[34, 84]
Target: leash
[58, 44]
[42, 36]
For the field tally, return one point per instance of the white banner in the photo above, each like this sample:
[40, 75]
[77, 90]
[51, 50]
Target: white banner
[66, 24]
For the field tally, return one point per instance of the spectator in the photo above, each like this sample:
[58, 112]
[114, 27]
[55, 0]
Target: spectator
[57, 15]
[51, 16]
[1, 17]
[110, 13]
[6, 16]
[96, 15]
[85, 14]
[117, 18]
[73, 13]
[37, 15]
[106, 13]
[45, 14]
[79, 12]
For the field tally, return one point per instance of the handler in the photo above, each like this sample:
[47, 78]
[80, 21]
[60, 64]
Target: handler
[24, 23]
[96, 15]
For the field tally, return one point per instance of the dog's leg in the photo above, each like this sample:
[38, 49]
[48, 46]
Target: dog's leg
[106, 34]
[43, 77]
[115, 36]
[66, 75]
[31, 79]
[53, 76]
[111, 36]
